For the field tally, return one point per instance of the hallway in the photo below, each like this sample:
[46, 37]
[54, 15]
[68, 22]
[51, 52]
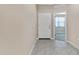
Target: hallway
[53, 47]
[22, 25]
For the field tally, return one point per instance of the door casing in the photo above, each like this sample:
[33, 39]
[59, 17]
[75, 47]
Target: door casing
[66, 38]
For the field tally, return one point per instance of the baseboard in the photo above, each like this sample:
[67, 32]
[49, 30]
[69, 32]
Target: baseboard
[33, 45]
[46, 38]
[37, 38]
[74, 45]
[52, 38]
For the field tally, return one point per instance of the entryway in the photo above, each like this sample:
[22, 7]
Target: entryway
[60, 26]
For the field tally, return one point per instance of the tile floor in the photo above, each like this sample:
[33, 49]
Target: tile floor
[53, 47]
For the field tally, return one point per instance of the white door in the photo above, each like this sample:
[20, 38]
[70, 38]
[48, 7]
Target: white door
[44, 25]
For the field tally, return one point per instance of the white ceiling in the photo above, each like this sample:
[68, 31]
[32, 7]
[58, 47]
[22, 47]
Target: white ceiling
[50, 4]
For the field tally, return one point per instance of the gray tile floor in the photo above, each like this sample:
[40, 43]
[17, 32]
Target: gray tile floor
[53, 47]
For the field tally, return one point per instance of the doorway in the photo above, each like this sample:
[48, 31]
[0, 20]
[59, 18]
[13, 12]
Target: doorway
[60, 26]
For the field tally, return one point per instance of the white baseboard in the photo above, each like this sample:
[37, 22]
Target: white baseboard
[52, 38]
[33, 45]
[37, 38]
[74, 45]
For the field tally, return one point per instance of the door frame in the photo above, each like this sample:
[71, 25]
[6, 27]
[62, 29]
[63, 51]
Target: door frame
[66, 37]
[38, 24]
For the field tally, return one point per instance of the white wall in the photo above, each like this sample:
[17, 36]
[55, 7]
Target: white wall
[17, 28]
[45, 8]
[60, 8]
[73, 22]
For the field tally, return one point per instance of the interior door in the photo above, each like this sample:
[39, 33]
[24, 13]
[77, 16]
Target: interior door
[44, 25]
[60, 27]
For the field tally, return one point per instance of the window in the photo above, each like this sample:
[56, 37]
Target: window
[59, 21]
[61, 13]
